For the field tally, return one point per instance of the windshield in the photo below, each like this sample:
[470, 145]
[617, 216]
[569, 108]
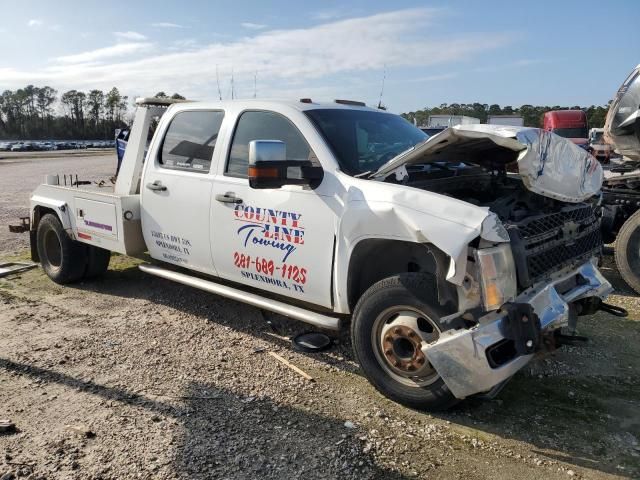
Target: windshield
[571, 132]
[363, 141]
[597, 137]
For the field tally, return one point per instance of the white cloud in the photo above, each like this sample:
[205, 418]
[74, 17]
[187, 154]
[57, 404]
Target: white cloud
[296, 58]
[135, 36]
[34, 23]
[184, 44]
[166, 25]
[253, 26]
[118, 50]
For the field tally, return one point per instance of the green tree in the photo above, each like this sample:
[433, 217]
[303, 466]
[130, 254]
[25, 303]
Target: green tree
[95, 106]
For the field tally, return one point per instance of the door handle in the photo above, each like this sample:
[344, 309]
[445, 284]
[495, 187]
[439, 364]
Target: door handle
[229, 197]
[156, 186]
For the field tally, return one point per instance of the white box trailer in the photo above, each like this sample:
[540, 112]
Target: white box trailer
[511, 120]
[451, 120]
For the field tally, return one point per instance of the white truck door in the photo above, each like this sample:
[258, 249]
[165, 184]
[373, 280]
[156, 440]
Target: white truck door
[176, 190]
[282, 239]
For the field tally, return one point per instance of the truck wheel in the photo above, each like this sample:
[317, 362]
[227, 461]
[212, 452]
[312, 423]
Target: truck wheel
[97, 261]
[64, 260]
[393, 319]
[627, 251]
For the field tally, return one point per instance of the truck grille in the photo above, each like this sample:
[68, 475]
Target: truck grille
[543, 244]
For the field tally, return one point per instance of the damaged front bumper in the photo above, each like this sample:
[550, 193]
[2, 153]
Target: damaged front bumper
[463, 358]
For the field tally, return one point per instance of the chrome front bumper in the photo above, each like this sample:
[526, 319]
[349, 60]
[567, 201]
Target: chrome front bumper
[460, 356]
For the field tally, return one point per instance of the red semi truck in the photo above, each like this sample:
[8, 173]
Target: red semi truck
[570, 124]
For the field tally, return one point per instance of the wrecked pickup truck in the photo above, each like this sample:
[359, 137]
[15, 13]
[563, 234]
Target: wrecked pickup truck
[457, 258]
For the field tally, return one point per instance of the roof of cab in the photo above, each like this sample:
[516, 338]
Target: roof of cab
[257, 103]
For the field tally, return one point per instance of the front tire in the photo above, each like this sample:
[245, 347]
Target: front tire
[627, 251]
[64, 260]
[393, 319]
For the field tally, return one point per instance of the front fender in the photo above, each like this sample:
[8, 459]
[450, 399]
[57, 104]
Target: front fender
[396, 212]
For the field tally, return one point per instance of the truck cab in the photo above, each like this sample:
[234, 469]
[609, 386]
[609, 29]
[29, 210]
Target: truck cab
[598, 146]
[452, 272]
[571, 124]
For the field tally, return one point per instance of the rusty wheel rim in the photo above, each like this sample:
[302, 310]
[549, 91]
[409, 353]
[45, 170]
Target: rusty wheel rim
[400, 336]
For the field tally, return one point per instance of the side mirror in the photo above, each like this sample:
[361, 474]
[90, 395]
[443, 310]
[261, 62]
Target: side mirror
[269, 167]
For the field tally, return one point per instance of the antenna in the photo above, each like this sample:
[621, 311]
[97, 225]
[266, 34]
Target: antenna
[255, 81]
[218, 82]
[384, 76]
[232, 92]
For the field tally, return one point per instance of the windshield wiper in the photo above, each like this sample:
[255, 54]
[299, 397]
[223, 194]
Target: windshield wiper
[366, 174]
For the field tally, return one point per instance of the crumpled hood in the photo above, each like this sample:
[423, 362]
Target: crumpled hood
[547, 163]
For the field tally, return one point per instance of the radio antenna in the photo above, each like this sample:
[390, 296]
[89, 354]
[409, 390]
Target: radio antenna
[218, 82]
[255, 83]
[384, 76]
[232, 92]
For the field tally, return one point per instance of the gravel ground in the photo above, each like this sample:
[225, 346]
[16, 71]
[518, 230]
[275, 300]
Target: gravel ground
[131, 376]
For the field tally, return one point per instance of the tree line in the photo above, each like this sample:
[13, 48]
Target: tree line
[39, 113]
[36, 113]
[532, 115]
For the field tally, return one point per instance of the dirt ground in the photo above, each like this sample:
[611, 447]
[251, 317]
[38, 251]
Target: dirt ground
[132, 376]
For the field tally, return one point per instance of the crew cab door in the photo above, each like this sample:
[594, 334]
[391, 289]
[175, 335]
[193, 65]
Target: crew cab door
[176, 189]
[279, 239]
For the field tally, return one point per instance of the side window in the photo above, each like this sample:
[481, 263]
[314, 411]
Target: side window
[264, 126]
[190, 140]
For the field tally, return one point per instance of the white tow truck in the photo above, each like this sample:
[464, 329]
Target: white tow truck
[457, 258]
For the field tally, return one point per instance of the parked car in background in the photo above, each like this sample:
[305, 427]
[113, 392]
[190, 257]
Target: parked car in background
[570, 124]
[599, 148]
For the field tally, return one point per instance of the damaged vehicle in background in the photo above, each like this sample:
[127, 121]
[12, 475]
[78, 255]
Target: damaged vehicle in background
[457, 258]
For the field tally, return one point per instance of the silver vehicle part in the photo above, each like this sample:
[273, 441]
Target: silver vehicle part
[460, 356]
[307, 316]
[548, 164]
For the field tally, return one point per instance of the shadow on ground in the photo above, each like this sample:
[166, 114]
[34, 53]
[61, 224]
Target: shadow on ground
[214, 439]
[583, 414]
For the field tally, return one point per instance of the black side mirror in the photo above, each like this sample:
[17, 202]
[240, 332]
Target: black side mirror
[269, 167]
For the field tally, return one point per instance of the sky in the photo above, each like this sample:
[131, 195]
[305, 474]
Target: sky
[431, 52]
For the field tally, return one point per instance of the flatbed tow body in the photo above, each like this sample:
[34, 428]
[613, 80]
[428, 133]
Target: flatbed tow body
[298, 236]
